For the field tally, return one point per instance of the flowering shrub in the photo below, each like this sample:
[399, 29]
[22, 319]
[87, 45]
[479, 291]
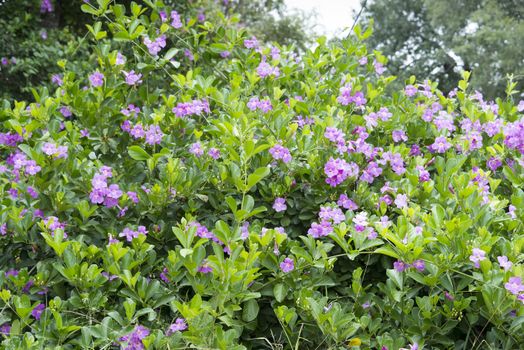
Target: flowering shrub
[256, 198]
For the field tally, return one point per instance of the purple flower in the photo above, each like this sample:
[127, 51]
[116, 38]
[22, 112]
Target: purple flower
[196, 149]
[287, 265]
[46, 6]
[346, 203]
[214, 153]
[399, 135]
[132, 78]
[175, 20]
[134, 339]
[133, 196]
[504, 262]
[251, 43]
[337, 170]
[280, 204]
[361, 221]
[280, 152]
[155, 46]
[400, 266]
[96, 79]
[154, 135]
[120, 59]
[264, 69]
[401, 201]
[520, 106]
[4, 61]
[410, 90]
[477, 256]
[205, 268]
[179, 325]
[66, 112]
[57, 79]
[329, 213]
[514, 285]
[441, 145]
[419, 265]
[37, 311]
[128, 234]
[514, 136]
[5, 329]
[189, 55]
[225, 54]
[320, 230]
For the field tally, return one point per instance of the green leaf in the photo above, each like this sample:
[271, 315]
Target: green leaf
[279, 291]
[250, 310]
[258, 175]
[138, 153]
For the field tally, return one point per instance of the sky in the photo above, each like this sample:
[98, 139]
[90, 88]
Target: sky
[332, 15]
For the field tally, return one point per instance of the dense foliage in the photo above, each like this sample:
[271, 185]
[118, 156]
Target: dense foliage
[438, 39]
[198, 188]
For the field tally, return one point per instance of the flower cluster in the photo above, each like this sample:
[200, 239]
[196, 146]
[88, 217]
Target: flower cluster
[264, 69]
[54, 150]
[337, 170]
[346, 97]
[101, 192]
[133, 341]
[264, 105]
[129, 234]
[280, 152]
[153, 134]
[184, 109]
[155, 46]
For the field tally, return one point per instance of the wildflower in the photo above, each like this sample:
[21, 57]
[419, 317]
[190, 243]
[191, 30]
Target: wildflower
[134, 339]
[5, 329]
[57, 79]
[441, 145]
[154, 135]
[120, 59]
[251, 43]
[132, 78]
[361, 221]
[214, 153]
[205, 268]
[334, 214]
[399, 135]
[155, 46]
[66, 112]
[287, 265]
[280, 204]
[419, 265]
[175, 20]
[504, 262]
[189, 55]
[96, 79]
[410, 90]
[37, 311]
[280, 152]
[401, 201]
[400, 266]
[179, 325]
[320, 230]
[346, 203]
[225, 54]
[337, 170]
[46, 6]
[514, 285]
[477, 256]
[196, 149]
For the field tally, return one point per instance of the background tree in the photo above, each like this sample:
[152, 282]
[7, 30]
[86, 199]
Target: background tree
[438, 39]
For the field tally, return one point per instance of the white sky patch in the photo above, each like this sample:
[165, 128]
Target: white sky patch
[332, 15]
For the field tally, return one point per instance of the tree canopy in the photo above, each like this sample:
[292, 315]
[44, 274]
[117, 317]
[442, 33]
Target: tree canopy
[438, 39]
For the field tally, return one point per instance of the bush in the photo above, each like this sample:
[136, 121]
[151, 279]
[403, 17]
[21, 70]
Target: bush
[201, 189]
